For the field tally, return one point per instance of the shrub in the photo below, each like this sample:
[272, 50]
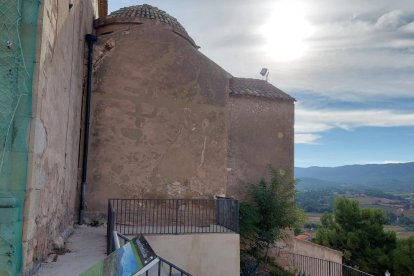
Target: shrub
[263, 219]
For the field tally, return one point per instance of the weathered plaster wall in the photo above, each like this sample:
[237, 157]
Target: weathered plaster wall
[316, 251]
[200, 254]
[159, 118]
[286, 257]
[260, 133]
[50, 202]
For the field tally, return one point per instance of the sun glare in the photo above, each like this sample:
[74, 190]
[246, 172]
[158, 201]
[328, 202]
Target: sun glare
[285, 32]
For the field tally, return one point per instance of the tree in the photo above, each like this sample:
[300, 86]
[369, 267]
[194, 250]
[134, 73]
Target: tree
[404, 257]
[359, 234]
[264, 218]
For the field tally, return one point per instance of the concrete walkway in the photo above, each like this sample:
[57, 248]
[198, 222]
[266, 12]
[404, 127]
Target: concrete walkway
[87, 246]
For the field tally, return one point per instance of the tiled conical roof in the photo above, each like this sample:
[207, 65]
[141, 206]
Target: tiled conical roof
[149, 12]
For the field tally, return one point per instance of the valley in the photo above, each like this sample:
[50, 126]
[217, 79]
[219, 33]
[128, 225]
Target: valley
[393, 194]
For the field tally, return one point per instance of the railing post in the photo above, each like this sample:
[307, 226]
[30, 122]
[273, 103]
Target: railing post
[108, 227]
[113, 229]
[176, 215]
[329, 268]
[217, 207]
[237, 220]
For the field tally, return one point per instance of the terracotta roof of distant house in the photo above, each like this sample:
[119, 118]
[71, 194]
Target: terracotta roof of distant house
[147, 12]
[303, 237]
[257, 88]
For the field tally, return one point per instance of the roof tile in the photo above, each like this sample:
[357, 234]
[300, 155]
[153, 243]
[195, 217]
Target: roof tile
[152, 13]
[257, 88]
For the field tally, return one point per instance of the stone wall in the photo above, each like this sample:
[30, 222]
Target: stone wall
[261, 133]
[51, 198]
[159, 118]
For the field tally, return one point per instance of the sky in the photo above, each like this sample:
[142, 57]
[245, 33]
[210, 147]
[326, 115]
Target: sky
[348, 63]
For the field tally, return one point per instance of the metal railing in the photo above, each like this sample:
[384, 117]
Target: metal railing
[162, 268]
[310, 266]
[172, 216]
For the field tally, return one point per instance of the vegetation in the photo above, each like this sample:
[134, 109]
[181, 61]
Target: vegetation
[276, 271]
[316, 201]
[359, 234]
[404, 257]
[353, 227]
[398, 208]
[264, 219]
[321, 200]
[95, 223]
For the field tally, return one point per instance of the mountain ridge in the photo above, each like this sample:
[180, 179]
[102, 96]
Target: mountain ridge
[386, 177]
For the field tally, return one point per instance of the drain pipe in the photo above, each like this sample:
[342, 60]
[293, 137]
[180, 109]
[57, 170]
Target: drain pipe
[90, 39]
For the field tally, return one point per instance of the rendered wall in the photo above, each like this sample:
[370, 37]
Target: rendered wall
[159, 118]
[314, 250]
[200, 254]
[289, 262]
[51, 198]
[260, 134]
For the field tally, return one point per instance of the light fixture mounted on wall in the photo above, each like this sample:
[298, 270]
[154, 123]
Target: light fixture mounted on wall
[70, 4]
[265, 73]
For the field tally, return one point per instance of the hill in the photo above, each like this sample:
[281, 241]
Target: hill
[385, 177]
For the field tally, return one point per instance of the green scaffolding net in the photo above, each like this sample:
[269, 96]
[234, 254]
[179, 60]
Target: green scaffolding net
[18, 27]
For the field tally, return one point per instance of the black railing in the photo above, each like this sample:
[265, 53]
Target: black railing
[162, 268]
[310, 266]
[173, 216]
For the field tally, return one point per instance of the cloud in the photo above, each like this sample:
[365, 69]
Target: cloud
[408, 28]
[306, 138]
[390, 20]
[382, 162]
[392, 162]
[311, 123]
[355, 33]
[358, 51]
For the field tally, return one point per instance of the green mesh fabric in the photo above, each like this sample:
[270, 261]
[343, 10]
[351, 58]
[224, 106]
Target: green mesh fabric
[18, 27]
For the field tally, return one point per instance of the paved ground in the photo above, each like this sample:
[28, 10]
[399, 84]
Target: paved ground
[87, 245]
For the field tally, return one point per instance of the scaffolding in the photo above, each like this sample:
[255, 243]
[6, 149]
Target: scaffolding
[18, 28]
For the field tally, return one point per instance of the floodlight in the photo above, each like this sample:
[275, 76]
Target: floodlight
[264, 72]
